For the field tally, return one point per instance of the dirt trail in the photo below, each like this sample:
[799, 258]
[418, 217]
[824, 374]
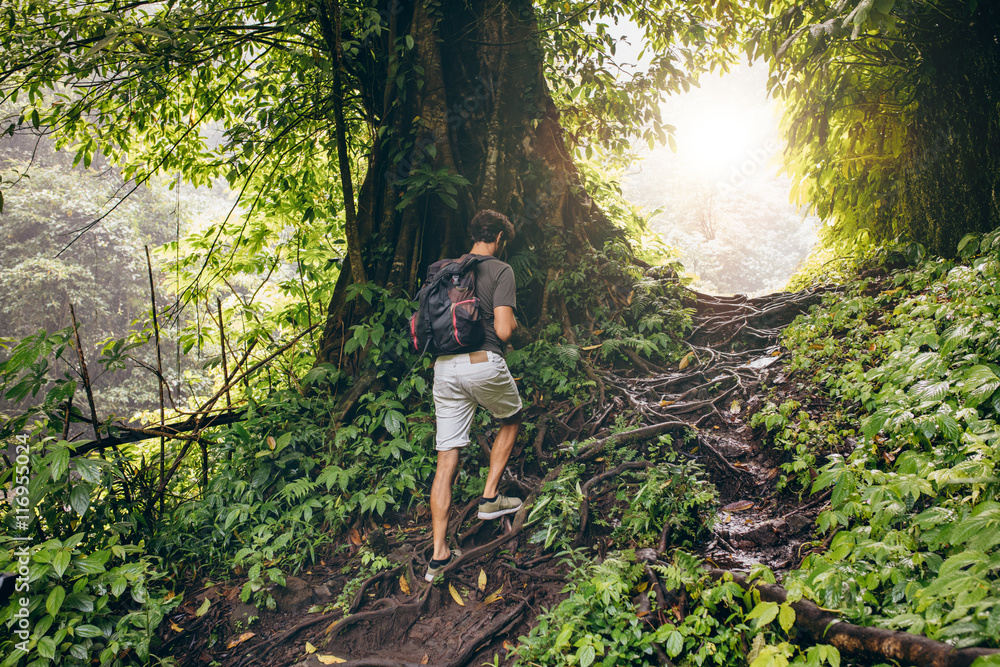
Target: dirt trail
[398, 619]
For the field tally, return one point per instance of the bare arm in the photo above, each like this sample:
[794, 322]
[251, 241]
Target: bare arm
[504, 322]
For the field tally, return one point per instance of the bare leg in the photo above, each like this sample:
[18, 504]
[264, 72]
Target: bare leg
[447, 464]
[502, 447]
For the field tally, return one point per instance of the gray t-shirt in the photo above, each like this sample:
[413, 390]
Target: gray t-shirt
[495, 287]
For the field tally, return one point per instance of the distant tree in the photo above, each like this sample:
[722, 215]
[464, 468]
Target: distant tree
[104, 275]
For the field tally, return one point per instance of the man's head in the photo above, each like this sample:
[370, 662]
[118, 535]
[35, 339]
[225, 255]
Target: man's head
[489, 226]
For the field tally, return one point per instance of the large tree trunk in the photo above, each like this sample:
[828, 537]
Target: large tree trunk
[474, 102]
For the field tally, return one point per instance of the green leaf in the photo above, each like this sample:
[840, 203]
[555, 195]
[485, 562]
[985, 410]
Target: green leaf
[929, 390]
[282, 441]
[55, 600]
[86, 631]
[843, 489]
[764, 612]
[394, 422]
[59, 464]
[61, 561]
[203, 609]
[47, 647]
[79, 498]
[968, 246]
[586, 654]
[89, 470]
[786, 617]
[675, 642]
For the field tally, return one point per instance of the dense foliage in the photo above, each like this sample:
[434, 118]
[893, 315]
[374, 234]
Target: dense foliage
[890, 114]
[336, 429]
[912, 529]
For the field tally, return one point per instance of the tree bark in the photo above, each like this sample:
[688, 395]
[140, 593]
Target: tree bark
[472, 102]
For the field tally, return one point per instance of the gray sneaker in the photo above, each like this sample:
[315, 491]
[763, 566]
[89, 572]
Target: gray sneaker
[499, 506]
[435, 570]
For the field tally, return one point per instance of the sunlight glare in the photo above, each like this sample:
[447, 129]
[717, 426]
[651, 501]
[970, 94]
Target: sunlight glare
[715, 139]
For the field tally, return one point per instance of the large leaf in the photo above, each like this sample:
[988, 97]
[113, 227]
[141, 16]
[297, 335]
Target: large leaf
[79, 498]
[54, 602]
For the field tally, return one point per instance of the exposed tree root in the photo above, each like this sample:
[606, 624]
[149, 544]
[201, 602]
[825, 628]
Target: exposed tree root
[359, 597]
[594, 481]
[700, 395]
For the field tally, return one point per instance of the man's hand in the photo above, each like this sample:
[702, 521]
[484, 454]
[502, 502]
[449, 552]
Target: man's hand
[504, 322]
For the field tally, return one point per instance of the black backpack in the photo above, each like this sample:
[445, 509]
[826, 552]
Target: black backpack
[447, 320]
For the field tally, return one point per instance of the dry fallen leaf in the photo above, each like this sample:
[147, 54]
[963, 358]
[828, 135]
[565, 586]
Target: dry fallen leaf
[327, 659]
[271, 444]
[404, 585]
[310, 648]
[482, 579]
[171, 595]
[735, 407]
[236, 641]
[455, 596]
[355, 537]
[507, 646]
[175, 627]
[640, 614]
[203, 609]
[686, 361]
[591, 347]
[641, 587]
[494, 596]
[738, 506]
[330, 627]
[424, 660]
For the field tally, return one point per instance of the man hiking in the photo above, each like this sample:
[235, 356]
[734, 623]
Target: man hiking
[462, 382]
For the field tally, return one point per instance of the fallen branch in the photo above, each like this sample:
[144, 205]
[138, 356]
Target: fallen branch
[171, 431]
[821, 626]
[644, 433]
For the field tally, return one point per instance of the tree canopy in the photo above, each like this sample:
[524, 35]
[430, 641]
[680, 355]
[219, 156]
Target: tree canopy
[891, 115]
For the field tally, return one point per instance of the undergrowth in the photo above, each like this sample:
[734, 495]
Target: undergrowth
[914, 522]
[283, 485]
[614, 616]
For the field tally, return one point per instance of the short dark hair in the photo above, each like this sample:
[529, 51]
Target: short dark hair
[486, 224]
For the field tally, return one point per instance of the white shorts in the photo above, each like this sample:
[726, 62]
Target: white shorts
[462, 382]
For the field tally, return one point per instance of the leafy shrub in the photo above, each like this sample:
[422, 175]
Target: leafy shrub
[86, 603]
[914, 503]
[676, 492]
[89, 594]
[599, 623]
[557, 510]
